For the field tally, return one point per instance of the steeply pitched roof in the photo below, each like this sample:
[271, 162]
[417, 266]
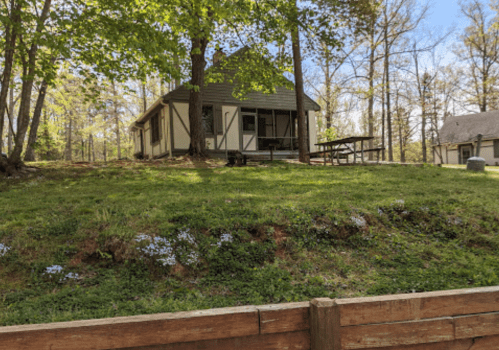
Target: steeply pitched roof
[222, 93]
[465, 128]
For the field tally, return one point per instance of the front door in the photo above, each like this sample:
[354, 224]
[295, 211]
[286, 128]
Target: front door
[466, 152]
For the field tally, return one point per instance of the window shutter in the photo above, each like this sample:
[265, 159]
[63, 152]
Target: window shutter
[496, 148]
[219, 126]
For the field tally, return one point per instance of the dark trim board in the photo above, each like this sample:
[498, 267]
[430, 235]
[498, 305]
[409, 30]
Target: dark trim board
[170, 106]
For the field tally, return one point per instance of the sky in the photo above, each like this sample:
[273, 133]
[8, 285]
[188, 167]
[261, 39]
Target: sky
[445, 13]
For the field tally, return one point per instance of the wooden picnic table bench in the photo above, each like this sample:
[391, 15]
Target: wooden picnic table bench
[377, 150]
[333, 152]
[349, 143]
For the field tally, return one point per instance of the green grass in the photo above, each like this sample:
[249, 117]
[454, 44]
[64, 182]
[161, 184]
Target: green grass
[296, 232]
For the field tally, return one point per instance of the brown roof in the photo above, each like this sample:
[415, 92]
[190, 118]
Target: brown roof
[222, 93]
[465, 128]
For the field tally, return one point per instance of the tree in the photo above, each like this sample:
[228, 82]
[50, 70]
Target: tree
[480, 50]
[399, 18]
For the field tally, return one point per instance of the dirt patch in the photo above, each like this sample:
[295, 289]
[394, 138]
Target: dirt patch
[280, 235]
[87, 252]
[180, 270]
[120, 250]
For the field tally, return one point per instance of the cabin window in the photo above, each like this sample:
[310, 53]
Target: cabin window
[208, 122]
[496, 148]
[249, 123]
[155, 129]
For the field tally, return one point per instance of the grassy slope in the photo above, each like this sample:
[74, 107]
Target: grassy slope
[297, 232]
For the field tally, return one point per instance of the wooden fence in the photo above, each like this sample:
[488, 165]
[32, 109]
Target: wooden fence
[466, 319]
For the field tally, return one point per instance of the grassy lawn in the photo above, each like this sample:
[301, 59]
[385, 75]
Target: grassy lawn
[82, 241]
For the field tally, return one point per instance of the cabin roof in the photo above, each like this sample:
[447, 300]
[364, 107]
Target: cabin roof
[283, 98]
[465, 128]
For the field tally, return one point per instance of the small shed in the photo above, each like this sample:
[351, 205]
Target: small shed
[230, 124]
[458, 138]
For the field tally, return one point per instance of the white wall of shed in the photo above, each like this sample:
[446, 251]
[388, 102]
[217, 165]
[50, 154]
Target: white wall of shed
[166, 128]
[147, 140]
[210, 143]
[181, 138]
[136, 141]
[249, 142]
[231, 115]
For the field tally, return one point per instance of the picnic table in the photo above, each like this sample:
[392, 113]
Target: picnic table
[344, 147]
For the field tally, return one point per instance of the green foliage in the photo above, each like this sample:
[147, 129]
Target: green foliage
[330, 134]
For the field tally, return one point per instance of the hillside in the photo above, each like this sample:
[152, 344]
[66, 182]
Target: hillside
[81, 241]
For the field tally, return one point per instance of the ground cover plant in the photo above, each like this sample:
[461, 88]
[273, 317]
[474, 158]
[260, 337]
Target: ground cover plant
[81, 241]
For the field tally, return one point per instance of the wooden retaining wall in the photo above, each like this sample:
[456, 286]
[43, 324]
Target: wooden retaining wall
[466, 319]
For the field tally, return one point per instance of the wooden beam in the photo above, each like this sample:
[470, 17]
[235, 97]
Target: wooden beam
[280, 318]
[404, 307]
[396, 334]
[134, 331]
[324, 325]
[354, 152]
[477, 325]
[487, 343]
[362, 150]
[278, 341]
[464, 344]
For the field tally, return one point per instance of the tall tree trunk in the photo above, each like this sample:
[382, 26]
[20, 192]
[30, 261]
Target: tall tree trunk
[328, 89]
[9, 49]
[423, 127]
[27, 87]
[388, 109]
[117, 120]
[400, 126]
[388, 106]
[197, 145]
[10, 115]
[383, 111]
[93, 149]
[69, 140]
[82, 149]
[370, 107]
[46, 136]
[144, 96]
[300, 108]
[105, 142]
[30, 152]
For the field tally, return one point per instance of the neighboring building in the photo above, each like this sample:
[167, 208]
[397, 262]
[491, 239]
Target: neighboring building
[248, 126]
[458, 138]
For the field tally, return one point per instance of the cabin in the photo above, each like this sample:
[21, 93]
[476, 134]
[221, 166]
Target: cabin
[251, 126]
[457, 139]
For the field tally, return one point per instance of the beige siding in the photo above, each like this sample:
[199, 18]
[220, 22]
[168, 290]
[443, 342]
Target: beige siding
[249, 142]
[233, 133]
[449, 155]
[453, 156]
[181, 138]
[165, 112]
[147, 140]
[312, 128]
[487, 152]
[160, 148]
[210, 143]
[136, 141]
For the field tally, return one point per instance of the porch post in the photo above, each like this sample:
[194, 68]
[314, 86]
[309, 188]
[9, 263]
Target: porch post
[354, 152]
[362, 150]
